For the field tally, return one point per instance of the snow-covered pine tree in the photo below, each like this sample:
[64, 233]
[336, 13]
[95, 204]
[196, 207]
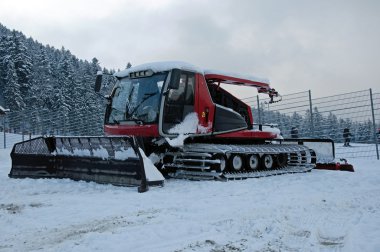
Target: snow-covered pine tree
[318, 123]
[296, 121]
[306, 127]
[332, 127]
[23, 66]
[9, 79]
[12, 91]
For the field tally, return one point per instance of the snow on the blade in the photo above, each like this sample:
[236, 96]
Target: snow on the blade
[124, 154]
[151, 172]
[62, 151]
[76, 152]
[154, 158]
[101, 152]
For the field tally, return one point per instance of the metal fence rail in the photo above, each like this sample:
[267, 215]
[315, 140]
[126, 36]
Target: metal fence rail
[21, 125]
[324, 117]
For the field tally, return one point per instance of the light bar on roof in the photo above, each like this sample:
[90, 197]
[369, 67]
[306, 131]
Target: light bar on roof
[141, 74]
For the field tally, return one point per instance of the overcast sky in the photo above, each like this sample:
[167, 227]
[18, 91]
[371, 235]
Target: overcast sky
[327, 46]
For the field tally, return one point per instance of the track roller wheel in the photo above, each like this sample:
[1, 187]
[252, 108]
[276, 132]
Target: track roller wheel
[267, 161]
[236, 162]
[253, 162]
[313, 155]
[223, 163]
[281, 160]
[303, 157]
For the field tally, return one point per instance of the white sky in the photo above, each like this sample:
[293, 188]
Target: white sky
[327, 46]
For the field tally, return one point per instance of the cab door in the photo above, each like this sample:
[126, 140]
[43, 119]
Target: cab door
[178, 99]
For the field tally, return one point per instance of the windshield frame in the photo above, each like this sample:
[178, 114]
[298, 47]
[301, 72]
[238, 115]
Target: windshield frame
[145, 97]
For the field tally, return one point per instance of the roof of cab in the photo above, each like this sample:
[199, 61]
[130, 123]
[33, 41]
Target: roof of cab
[160, 67]
[213, 75]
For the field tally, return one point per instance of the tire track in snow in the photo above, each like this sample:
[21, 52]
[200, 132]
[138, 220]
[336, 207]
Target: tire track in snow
[48, 239]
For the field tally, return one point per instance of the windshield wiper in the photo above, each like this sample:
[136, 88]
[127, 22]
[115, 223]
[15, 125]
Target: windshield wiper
[128, 103]
[138, 121]
[146, 97]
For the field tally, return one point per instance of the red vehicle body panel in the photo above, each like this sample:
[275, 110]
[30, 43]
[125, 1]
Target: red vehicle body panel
[236, 81]
[147, 130]
[204, 105]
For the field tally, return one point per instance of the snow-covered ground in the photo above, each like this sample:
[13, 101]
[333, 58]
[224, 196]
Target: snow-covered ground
[11, 139]
[316, 211]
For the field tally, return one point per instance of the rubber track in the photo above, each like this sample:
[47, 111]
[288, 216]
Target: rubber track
[300, 166]
[199, 175]
[245, 149]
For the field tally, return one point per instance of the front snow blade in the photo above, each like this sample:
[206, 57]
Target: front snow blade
[113, 160]
[335, 167]
[324, 150]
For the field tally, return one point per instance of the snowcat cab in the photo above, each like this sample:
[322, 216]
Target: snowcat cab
[151, 100]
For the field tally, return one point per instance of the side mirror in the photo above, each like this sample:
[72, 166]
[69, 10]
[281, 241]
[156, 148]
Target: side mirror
[98, 81]
[175, 77]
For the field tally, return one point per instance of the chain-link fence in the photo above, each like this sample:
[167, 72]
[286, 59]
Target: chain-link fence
[352, 120]
[22, 125]
[297, 115]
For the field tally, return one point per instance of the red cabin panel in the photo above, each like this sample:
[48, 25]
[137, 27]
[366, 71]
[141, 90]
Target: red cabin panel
[204, 105]
[237, 81]
[149, 130]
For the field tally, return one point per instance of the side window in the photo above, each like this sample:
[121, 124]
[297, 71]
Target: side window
[177, 95]
[179, 102]
[185, 92]
[189, 98]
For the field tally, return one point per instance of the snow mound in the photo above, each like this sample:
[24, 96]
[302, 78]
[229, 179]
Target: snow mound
[189, 125]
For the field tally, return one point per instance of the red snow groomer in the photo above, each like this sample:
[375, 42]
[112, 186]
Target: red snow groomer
[187, 124]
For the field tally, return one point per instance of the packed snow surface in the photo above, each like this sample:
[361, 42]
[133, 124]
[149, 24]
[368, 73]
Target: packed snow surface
[316, 211]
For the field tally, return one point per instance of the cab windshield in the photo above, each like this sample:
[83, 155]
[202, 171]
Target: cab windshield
[136, 99]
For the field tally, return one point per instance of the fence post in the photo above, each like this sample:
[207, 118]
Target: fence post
[5, 135]
[258, 108]
[311, 114]
[22, 126]
[374, 123]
